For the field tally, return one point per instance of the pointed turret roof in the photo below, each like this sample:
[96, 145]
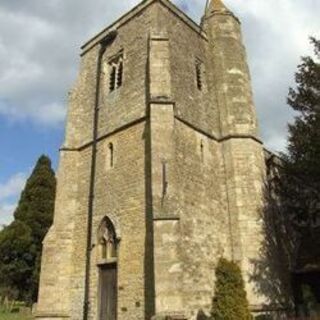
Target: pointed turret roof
[216, 6]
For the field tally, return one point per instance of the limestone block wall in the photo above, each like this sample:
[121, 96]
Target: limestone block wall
[230, 75]
[183, 185]
[245, 175]
[128, 102]
[80, 219]
[121, 196]
[204, 225]
[79, 125]
[187, 48]
[57, 264]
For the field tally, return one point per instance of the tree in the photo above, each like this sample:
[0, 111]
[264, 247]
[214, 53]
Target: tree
[16, 260]
[230, 300]
[295, 190]
[304, 134]
[301, 168]
[21, 241]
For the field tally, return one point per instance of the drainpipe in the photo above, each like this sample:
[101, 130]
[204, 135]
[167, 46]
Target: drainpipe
[103, 46]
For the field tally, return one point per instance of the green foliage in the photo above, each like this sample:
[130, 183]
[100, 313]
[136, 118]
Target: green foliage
[304, 133]
[300, 185]
[21, 241]
[302, 162]
[230, 300]
[294, 188]
[6, 314]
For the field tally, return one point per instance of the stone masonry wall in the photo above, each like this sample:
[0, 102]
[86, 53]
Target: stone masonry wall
[121, 195]
[187, 47]
[185, 185]
[57, 265]
[204, 223]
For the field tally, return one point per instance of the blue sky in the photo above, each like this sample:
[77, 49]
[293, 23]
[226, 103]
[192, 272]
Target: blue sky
[39, 49]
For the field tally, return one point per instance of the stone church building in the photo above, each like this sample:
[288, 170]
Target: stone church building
[161, 172]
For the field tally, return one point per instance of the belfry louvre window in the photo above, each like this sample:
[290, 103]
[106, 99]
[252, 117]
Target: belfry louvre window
[199, 74]
[115, 72]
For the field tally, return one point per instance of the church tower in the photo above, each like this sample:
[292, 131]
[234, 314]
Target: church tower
[161, 172]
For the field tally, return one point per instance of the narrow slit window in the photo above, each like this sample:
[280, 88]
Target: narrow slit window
[164, 179]
[120, 74]
[111, 155]
[112, 79]
[202, 151]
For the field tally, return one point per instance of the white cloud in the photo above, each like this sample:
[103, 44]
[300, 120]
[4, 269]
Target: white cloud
[39, 48]
[276, 34]
[9, 194]
[13, 186]
[6, 213]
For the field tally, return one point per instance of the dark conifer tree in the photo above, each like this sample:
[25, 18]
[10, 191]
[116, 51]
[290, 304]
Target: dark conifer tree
[304, 134]
[295, 190]
[21, 242]
[300, 179]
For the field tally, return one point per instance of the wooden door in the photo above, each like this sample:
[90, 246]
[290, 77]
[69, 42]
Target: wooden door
[108, 292]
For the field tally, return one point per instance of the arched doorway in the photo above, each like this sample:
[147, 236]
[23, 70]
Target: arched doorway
[107, 264]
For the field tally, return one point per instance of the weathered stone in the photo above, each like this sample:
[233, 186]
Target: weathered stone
[179, 168]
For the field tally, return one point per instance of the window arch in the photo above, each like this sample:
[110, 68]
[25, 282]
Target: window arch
[107, 240]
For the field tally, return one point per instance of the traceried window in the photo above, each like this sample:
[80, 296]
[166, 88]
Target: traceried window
[115, 72]
[107, 241]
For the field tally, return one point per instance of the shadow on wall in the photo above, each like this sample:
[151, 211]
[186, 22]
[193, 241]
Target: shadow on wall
[271, 275]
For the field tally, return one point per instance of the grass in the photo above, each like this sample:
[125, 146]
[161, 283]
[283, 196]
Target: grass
[14, 316]
[5, 315]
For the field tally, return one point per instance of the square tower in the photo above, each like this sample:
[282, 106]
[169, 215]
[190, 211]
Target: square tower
[161, 172]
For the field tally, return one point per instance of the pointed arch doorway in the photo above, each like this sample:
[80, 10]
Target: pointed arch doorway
[107, 264]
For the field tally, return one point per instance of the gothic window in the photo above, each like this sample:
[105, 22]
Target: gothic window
[107, 241]
[199, 74]
[116, 72]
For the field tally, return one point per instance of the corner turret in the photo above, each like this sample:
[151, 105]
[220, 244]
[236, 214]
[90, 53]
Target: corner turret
[241, 148]
[231, 72]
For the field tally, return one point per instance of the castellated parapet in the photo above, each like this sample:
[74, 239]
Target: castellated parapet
[161, 172]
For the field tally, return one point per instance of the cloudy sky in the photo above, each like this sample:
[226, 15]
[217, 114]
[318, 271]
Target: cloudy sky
[39, 55]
